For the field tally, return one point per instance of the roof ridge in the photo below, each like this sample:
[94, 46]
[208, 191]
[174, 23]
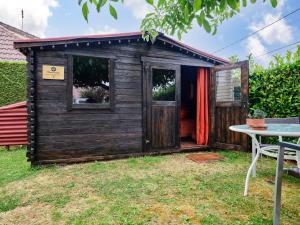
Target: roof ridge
[17, 30]
[75, 37]
[35, 42]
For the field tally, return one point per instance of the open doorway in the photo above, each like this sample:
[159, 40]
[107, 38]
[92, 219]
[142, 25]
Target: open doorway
[194, 107]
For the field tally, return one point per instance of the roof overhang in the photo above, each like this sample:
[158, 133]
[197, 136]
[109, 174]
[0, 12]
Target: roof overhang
[87, 40]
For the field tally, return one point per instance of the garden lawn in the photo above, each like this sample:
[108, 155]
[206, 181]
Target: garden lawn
[148, 190]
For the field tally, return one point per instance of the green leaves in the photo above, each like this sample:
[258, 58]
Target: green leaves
[160, 3]
[244, 3]
[215, 30]
[113, 11]
[206, 26]
[98, 5]
[85, 11]
[222, 5]
[186, 13]
[273, 3]
[234, 4]
[102, 2]
[150, 2]
[177, 17]
[197, 5]
[199, 21]
[201, 18]
[202, 21]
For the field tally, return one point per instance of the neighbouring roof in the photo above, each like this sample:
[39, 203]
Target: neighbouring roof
[8, 35]
[76, 40]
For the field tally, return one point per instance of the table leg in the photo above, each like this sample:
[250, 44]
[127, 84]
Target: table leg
[248, 174]
[253, 156]
[255, 146]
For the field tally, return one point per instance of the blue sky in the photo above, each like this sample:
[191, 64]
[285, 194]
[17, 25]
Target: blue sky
[51, 18]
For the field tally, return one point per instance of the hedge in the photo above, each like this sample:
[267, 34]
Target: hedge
[12, 82]
[276, 91]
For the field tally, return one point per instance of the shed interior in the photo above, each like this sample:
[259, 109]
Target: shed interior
[192, 121]
[188, 105]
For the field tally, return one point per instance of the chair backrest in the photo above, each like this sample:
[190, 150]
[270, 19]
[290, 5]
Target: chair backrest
[289, 120]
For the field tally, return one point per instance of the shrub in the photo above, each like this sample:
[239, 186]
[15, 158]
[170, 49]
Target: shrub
[12, 82]
[276, 90]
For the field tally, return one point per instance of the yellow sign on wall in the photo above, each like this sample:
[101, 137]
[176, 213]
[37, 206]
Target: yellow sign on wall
[51, 72]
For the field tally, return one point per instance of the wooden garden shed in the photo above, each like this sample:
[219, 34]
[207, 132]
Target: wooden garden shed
[112, 96]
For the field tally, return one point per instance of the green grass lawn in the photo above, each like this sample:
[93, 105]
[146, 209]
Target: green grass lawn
[148, 190]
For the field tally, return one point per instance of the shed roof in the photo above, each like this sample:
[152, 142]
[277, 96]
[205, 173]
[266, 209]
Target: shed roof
[8, 35]
[40, 42]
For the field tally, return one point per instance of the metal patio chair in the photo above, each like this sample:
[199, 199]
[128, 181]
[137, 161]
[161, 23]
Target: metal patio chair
[272, 150]
[279, 171]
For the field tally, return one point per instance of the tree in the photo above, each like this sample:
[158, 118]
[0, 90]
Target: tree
[177, 16]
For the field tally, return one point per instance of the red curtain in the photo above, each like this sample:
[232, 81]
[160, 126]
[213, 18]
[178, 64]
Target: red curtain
[202, 107]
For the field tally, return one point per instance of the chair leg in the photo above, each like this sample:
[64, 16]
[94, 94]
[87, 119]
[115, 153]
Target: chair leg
[278, 186]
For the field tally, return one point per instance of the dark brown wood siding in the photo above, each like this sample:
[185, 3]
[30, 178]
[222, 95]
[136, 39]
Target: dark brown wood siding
[79, 133]
[225, 117]
[64, 135]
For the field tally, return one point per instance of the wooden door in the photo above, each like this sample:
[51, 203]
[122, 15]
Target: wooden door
[162, 101]
[228, 104]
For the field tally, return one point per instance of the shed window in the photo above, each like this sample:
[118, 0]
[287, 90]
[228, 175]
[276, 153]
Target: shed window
[228, 84]
[91, 81]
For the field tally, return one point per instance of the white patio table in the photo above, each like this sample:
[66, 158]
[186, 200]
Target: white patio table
[280, 130]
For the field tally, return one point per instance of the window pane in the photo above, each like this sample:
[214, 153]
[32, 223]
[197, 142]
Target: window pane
[228, 84]
[163, 85]
[90, 80]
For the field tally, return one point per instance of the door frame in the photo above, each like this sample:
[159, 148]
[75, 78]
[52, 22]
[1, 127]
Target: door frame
[243, 103]
[147, 101]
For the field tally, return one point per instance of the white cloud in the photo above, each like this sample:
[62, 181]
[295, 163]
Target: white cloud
[139, 8]
[36, 14]
[279, 32]
[256, 47]
[105, 30]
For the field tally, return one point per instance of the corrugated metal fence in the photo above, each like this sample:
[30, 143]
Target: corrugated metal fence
[13, 124]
